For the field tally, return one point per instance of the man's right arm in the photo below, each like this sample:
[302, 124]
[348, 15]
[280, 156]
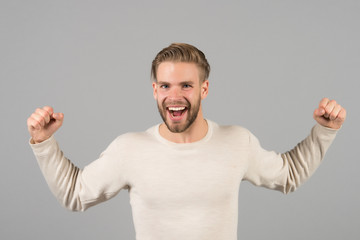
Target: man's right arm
[74, 188]
[43, 123]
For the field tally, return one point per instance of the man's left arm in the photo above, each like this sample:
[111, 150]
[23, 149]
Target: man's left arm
[285, 172]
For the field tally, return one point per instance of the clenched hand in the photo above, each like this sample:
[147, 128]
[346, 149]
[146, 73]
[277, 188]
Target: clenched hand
[330, 114]
[43, 123]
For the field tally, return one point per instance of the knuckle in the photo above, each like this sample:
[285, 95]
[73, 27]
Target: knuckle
[33, 123]
[37, 124]
[38, 117]
[39, 111]
[30, 119]
[44, 114]
[324, 102]
[48, 109]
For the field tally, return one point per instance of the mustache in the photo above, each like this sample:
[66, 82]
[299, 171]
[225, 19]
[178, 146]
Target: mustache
[185, 103]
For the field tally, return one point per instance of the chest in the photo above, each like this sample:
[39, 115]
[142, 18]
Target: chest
[188, 178]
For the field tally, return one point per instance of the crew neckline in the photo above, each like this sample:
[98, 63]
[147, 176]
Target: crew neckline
[182, 145]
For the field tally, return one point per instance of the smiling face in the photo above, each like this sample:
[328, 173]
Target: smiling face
[178, 92]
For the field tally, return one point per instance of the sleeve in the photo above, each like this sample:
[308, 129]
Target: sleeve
[78, 189]
[286, 172]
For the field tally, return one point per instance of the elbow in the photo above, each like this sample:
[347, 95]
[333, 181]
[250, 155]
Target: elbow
[284, 188]
[293, 182]
[289, 189]
[73, 207]
[71, 202]
[297, 172]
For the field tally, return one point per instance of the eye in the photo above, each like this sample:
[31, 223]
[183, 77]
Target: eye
[187, 86]
[164, 86]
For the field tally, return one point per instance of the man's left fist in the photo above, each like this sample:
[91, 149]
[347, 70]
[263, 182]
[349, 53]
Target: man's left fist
[330, 114]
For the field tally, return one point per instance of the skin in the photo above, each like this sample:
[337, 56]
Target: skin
[43, 123]
[177, 84]
[330, 114]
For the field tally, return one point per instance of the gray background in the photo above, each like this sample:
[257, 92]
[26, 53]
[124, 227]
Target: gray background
[272, 61]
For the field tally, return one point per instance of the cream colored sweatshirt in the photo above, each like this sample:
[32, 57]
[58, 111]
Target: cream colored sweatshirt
[181, 191]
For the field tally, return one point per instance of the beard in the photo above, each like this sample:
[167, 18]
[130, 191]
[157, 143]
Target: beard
[192, 113]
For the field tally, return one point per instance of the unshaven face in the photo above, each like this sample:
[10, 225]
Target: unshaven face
[178, 94]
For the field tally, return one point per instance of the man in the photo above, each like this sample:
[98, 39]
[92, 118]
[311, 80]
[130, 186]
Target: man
[183, 175]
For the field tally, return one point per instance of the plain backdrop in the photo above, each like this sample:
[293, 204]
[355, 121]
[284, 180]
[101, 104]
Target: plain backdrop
[272, 62]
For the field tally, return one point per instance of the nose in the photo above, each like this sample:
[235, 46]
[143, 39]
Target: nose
[175, 93]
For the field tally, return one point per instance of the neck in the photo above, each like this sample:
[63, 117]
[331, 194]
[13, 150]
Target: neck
[195, 132]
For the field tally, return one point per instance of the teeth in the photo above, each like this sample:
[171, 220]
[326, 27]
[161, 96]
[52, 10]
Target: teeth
[176, 108]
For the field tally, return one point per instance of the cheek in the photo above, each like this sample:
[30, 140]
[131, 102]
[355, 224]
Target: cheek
[160, 97]
[194, 96]
[157, 93]
[192, 93]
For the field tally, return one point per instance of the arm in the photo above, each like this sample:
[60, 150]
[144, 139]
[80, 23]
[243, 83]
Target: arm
[285, 172]
[75, 189]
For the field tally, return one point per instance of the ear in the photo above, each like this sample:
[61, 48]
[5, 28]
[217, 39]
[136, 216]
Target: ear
[154, 85]
[204, 89]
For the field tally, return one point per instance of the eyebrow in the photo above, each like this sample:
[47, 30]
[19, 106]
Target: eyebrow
[181, 83]
[162, 82]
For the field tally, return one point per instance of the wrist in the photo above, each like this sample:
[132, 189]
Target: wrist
[33, 141]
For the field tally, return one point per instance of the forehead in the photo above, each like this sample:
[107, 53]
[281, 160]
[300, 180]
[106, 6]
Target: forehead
[177, 71]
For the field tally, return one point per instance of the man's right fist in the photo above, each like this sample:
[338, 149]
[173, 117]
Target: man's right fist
[43, 123]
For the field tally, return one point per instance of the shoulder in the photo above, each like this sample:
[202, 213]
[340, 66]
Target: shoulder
[228, 129]
[136, 139]
[132, 138]
[129, 146]
[232, 132]
[128, 143]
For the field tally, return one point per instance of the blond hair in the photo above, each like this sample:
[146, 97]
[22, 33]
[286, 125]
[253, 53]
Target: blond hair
[181, 52]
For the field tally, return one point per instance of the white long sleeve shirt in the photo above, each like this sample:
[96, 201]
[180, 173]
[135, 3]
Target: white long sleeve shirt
[181, 191]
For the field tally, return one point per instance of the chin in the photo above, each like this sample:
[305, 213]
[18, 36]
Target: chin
[177, 128]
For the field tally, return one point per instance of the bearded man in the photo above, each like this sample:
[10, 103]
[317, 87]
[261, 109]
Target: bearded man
[183, 175]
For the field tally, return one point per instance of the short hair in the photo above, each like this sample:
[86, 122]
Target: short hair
[181, 52]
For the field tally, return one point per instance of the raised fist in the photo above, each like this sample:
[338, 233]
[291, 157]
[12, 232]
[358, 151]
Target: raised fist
[43, 123]
[330, 114]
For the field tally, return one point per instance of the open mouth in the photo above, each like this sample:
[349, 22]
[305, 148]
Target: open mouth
[176, 113]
